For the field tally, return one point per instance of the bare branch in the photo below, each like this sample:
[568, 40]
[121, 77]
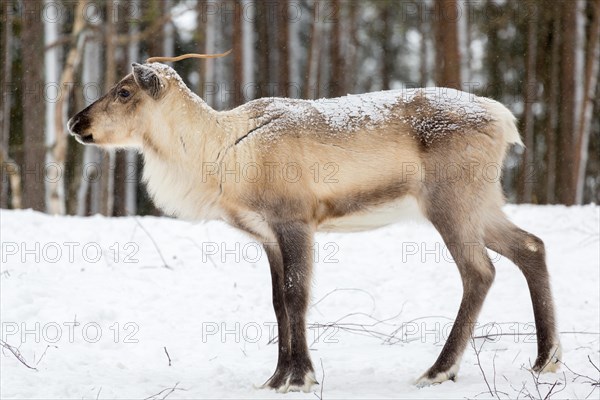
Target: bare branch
[165, 264]
[165, 393]
[167, 353]
[16, 353]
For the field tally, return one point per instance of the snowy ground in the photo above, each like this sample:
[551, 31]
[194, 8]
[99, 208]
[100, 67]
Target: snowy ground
[90, 305]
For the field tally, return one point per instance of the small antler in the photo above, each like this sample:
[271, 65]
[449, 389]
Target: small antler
[184, 56]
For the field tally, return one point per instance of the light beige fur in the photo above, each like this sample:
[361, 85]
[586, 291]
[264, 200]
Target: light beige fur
[284, 168]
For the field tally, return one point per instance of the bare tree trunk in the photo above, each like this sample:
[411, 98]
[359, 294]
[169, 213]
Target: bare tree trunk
[552, 105]
[447, 50]
[312, 64]
[168, 48]
[11, 173]
[238, 56]
[587, 103]
[423, 27]
[352, 61]
[262, 49]
[72, 61]
[209, 70]
[248, 53]
[32, 44]
[153, 10]
[201, 40]
[55, 199]
[283, 48]
[336, 61]
[464, 40]
[296, 50]
[6, 98]
[568, 104]
[387, 55]
[530, 96]
[492, 52]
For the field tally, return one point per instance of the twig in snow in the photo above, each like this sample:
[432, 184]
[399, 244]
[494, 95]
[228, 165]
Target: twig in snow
[591, 362]
[16, 353]
[477, 351]
[315, 304]
[320, 397]
[167, 353]
[165, 264]
[494, 366]
[44, 353]
[167, 390]
[536, 381]
[590, 380]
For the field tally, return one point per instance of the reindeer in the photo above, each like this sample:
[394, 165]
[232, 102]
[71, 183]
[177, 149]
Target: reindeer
[391, 152]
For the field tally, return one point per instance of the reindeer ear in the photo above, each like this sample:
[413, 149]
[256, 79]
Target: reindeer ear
[148, 80]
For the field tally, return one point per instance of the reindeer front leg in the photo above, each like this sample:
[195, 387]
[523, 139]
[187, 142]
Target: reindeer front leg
[291, 265]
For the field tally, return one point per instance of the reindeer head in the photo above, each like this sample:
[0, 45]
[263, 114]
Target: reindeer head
[121, 117]
[139, 103]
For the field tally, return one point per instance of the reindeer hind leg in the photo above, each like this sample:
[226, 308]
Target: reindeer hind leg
[528, 252]
[477, 274]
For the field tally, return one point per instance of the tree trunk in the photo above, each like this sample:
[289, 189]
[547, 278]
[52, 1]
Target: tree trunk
[387, 54]
[492, 56]
[552, 107]
[352, 62]
[152, 11]
[168, 45]
[446, 48]
[464, 40]
[530, 96]
[336, 61]
[423, 27]
[201, 44]
[67, 161]
[238, 55]
[32, 42]
[248, 53]
[314, 49]
[262, 48]
[283, 48]
[55, 198]
[587, 103]
[567, 115]
[6, 99]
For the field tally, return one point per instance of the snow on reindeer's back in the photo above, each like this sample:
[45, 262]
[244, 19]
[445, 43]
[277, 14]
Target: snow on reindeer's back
[341, 114]
[358, 110]
[431, 112]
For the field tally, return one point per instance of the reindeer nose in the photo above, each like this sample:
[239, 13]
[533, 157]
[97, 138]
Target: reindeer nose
[78, 127]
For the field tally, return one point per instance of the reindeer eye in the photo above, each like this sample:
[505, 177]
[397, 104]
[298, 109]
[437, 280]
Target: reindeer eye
[124, 93]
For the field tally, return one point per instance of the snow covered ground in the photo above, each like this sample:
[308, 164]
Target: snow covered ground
[90, 305]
